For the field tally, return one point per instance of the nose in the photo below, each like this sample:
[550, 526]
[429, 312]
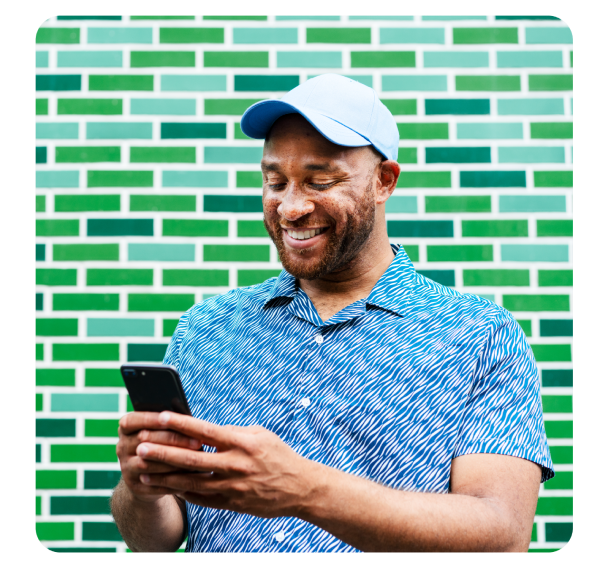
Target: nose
[294, 204]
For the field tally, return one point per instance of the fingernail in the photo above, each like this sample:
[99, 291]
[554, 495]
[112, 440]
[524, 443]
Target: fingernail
[142, 450]
[144, 478]
[164, 417]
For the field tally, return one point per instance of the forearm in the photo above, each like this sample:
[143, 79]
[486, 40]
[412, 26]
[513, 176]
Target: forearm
[375, 518]
[157, 526]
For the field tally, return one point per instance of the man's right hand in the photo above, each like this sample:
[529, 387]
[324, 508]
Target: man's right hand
[135, 428]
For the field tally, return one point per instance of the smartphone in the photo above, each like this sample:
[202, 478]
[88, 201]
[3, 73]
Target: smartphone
[154, 388]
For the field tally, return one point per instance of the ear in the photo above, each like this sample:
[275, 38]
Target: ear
[388, 174]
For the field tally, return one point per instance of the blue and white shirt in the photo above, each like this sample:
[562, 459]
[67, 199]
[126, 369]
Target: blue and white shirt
[392, 388]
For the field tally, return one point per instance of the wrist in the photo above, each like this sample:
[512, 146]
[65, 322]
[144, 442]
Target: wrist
[316, 489]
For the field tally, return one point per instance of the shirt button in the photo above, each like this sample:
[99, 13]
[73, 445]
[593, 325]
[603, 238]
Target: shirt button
[319, 339]
[305, 402]
[280, 536]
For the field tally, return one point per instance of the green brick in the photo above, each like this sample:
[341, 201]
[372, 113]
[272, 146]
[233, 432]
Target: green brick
[169, 326]
[162, 203]
[58, 35]
[412, 251]
[146, 352]
[536, 302]
[162, 58]
[377, 59]
[458, 204]
[194, 228]
[101, 428]
[85, 352]
[57, 227]
[251, 277]
[400, 106]
[425, 179]
[81, 505]
[83, 154]
[265, 82]
[55, 531]
[550, 82]
[81, 252]
[423, 131]
[309, 59]
[92, 531]
[55, 377]
[55, 428]
[41, 155]
[120, 227]
[42, 106]
[553, 179]
[250, 229]
[227, 106]
[40, 252]
[102, 479]
[496, 277]
[192, 130]
[191, 35]
[161, 251]
[558, 532]
[77, 203]
[488, 83]
[235, 59]
[160, 302]
[232, 154]
[236, 253]
[171, 154]
[84, 402]
[39, 352]
[39, 402]
[56, 327]
[121, 82]
[484, 35]
[82, 549]
[56, 479]
[233, 203]
[559, 428]
[415, 229]
[562, 480]
[249, 179]
[557, 377]
[89, 106]
[554, 227]
[195, 277]
[459, 253]
[554, 506]
[551, 130]
[526, 326]
[40, 203]
[338, 35]
[62, 302]
[543, 353]
[39, 301]
[120, 277]
[555, 277]
[162, 17]
[103, 378]
[38, 498]
[407, 156]
[556, 403]
[502, 228]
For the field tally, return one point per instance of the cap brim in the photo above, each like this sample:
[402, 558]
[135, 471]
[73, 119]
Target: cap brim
[259, 118]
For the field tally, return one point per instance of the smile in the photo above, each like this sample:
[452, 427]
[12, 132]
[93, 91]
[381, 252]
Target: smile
[304, 234]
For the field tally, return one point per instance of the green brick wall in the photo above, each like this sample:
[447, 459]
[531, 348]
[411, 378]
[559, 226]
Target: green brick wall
[148, 199]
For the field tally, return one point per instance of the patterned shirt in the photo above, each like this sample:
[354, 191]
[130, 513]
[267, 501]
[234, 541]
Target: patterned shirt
[391, 388]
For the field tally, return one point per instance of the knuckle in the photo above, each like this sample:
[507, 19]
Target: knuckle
[143, 435]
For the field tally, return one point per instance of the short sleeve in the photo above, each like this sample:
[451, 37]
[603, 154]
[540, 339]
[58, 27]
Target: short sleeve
[503, 413]
[172, 355]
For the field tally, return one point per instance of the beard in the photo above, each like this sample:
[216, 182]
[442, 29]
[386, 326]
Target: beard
[340, 249]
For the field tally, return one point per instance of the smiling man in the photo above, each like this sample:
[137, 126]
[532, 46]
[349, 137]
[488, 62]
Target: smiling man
[349, 404]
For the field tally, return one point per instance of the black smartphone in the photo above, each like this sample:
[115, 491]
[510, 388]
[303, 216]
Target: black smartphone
[154, 388]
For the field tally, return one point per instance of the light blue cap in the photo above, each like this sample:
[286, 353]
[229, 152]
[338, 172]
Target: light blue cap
[346, 112]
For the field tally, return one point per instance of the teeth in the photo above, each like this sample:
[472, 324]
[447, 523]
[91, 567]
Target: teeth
[303, 235]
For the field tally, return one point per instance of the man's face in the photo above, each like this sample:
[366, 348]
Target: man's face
[319, 198]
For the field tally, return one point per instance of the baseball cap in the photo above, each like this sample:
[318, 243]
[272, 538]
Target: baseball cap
[346, 112]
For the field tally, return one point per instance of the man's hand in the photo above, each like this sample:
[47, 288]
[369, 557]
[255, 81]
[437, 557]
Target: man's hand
[253, 470]
[135, 428]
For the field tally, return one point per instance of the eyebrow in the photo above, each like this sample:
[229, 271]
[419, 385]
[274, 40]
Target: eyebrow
[324, 167]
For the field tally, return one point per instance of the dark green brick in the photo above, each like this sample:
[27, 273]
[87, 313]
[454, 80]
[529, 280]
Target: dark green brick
[551, 130]
[58, 82]
[195, 228]
[553, 179]
[265, 82]
[56, 479]
[382, 59]
[160, 302]
[77, 203]
[80, 505]
[485, 35]
[162, 203]
[101, 428]
[58, 35]
[536, 302]
[234, 107]
[558, 532]
[250, 229]
[170, 155]
[526, 326]
[169, 326]
[502, 228]
[107, 178]
[103, 378]
[456, 106]
[557, 377]
[162, 58]
[550, 82]
[459, 253]
[562, 480]
[55, 377]
[554, 506]
[249, 179]
[84, 154]
[92, 531]
[39, 301]
[81, 252]
[89, 106]
[85, 352]
[557, 403]
[55, 531]
[81, 549]
[400, 106]
[542, 353]
[39, 403]
[236, 253]
[120, 227]
[496, 277]
[40, 203]
[38, 497]
[420, 229]
[57, 227]
[556, 328]
[101, 479]
[121, 82]
[493, 179]
[423, 130]
[458, 204]
[85, 301]
[554, 227]
[146, 351]
[444, 277]
[233, 203]
[407, 156]
[119, 276]
[194, 277]
[457, 155]
[41, 154]
[39, 352]
[191, 35]
[56, 327]
[559, 428]
[251, 277]
[235, 59]
[488, 83]
[192, 130]
[40, 252]
[555, 277]
[42, 106]
[55, 428]
[338, 35]
[425, 179]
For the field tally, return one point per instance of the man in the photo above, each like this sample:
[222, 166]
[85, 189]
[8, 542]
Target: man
[349, 404]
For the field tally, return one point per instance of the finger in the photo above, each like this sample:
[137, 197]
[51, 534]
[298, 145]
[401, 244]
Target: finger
[182, 458]
[211, 501]
[134, 421]
[168, 438]
[209, 433]
[138, 466]
[203, 483]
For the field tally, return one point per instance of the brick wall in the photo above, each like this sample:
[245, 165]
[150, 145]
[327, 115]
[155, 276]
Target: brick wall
[148, 199]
